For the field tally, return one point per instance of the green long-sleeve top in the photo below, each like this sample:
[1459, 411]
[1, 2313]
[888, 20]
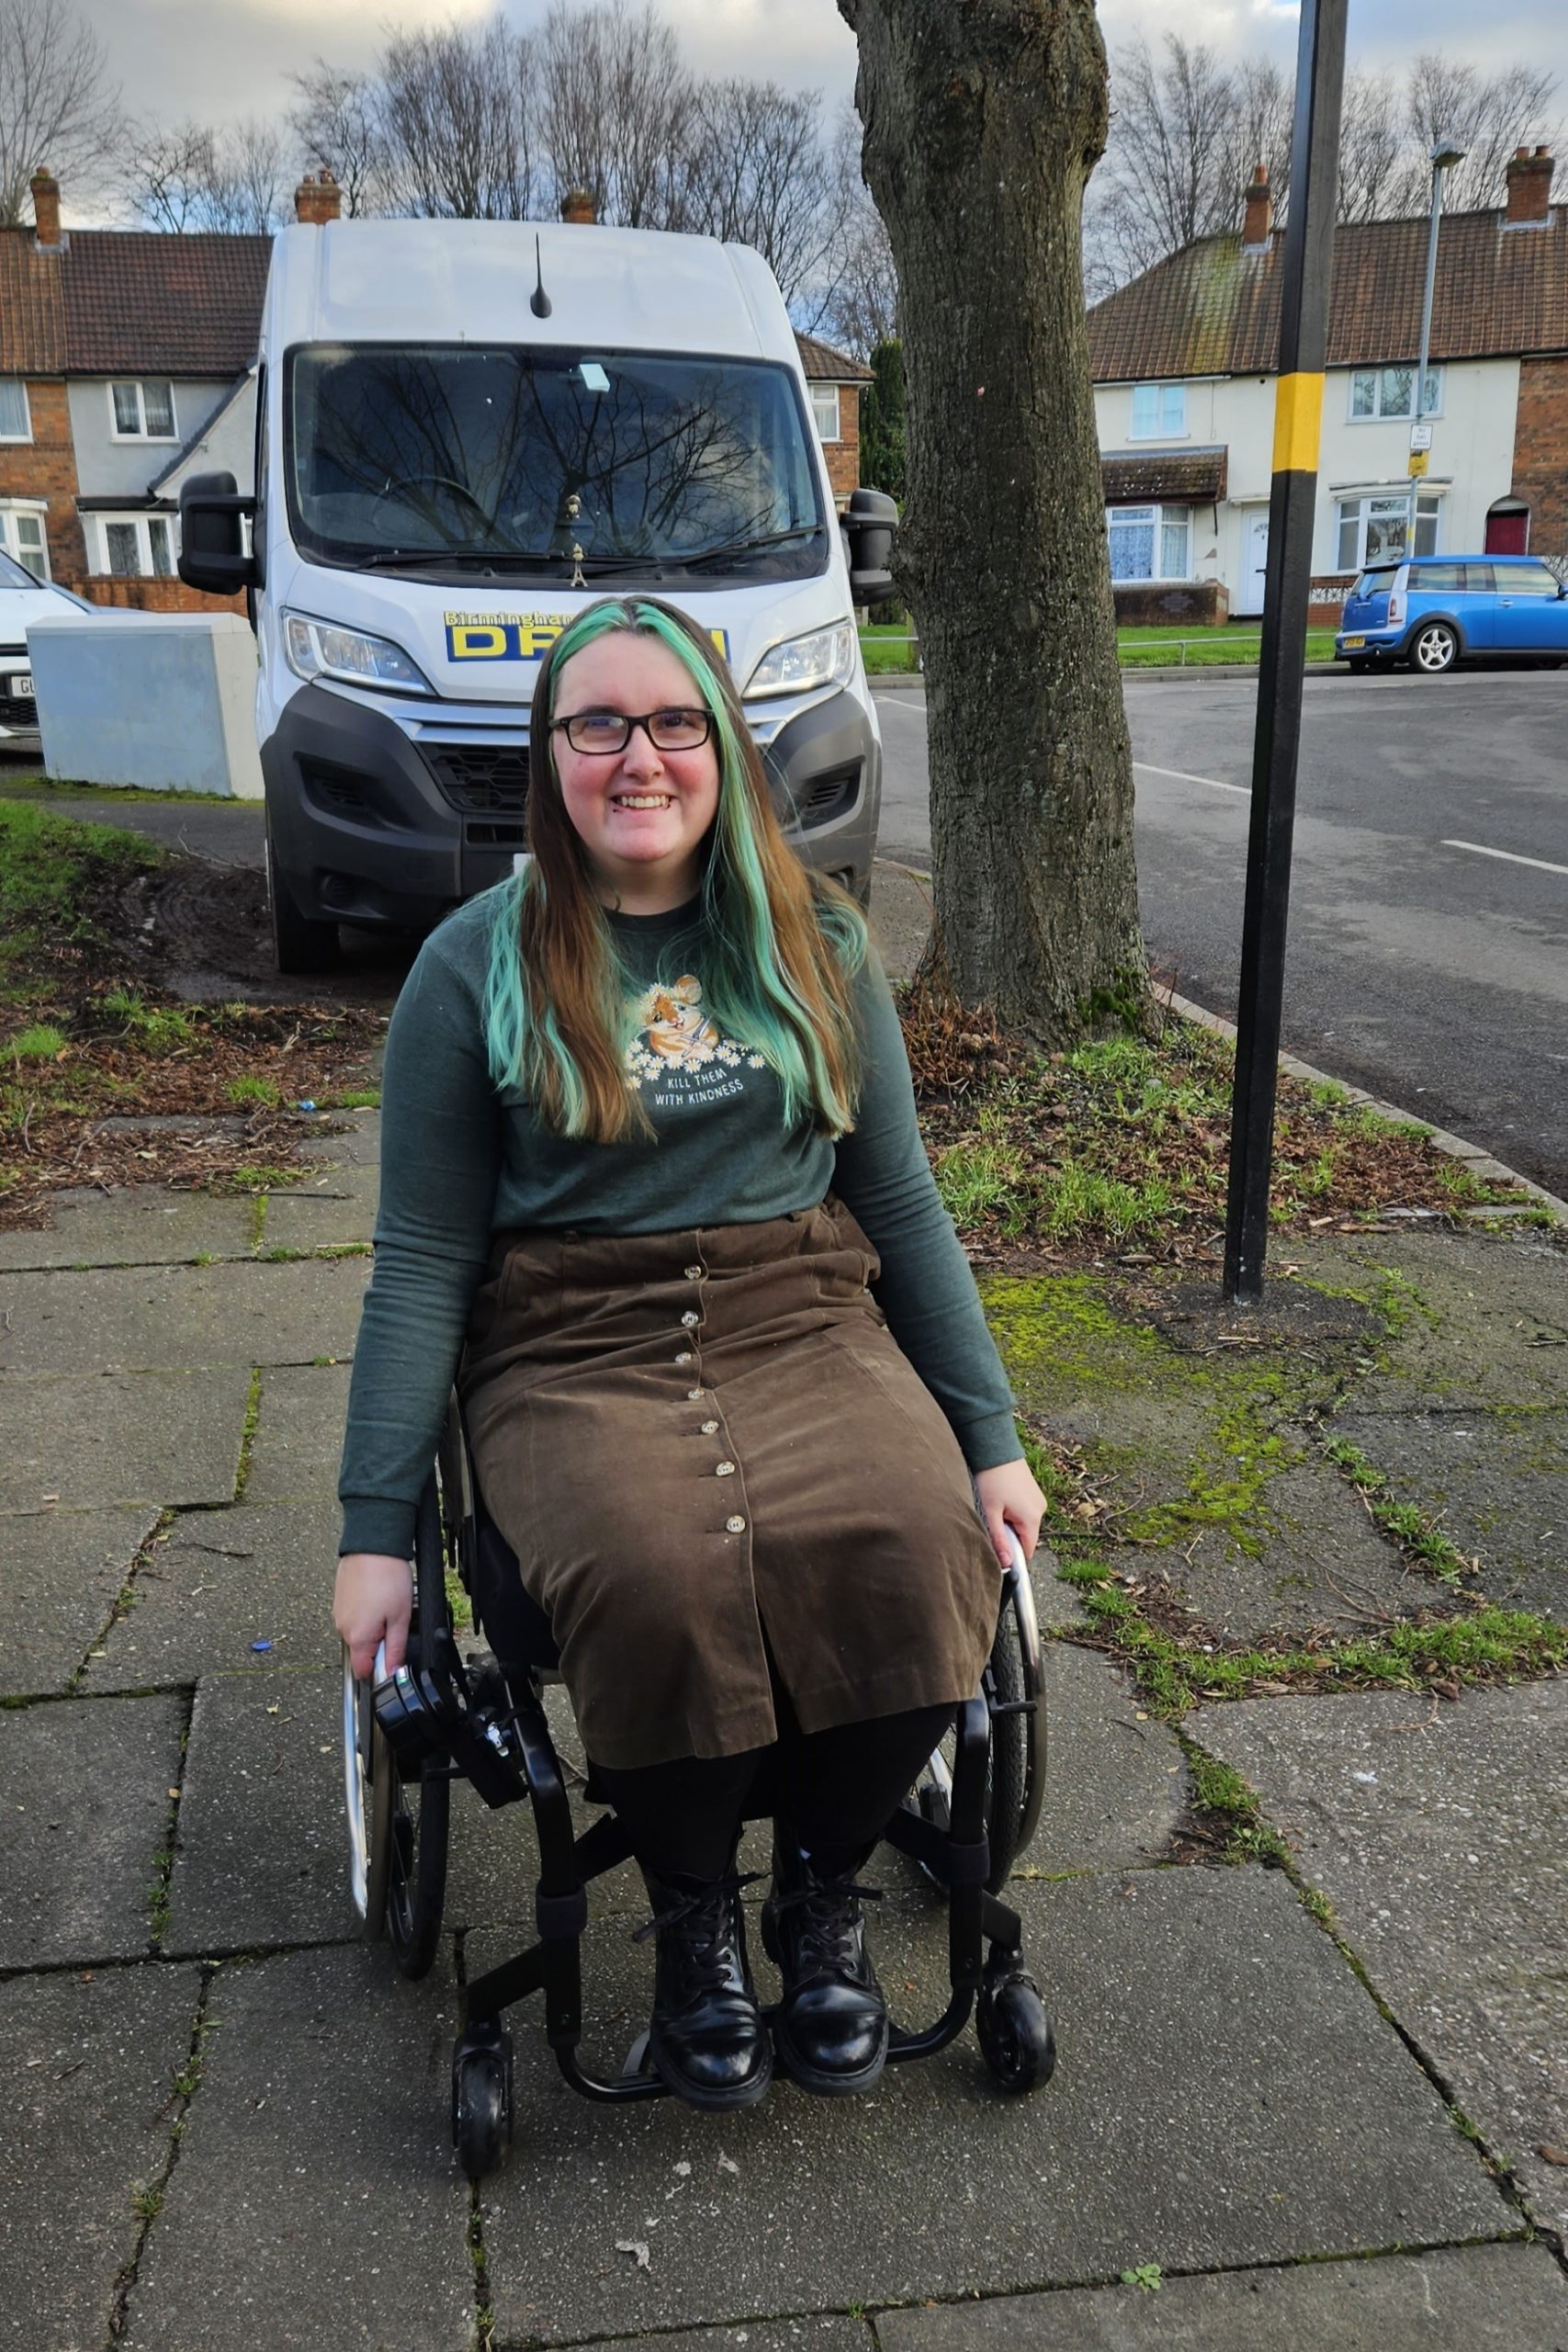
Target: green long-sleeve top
[463, 1160]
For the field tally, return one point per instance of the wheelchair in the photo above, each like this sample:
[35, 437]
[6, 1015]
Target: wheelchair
[473, 1709]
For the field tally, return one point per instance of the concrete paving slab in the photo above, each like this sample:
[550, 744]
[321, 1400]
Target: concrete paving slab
[84, 1796]
[315, 2200]
[89, 2123]
[356, 1144]
[1487, 1324]
[59, 1573]
[1439, 1834]
[1116, 1782]
[1497, 1485]
[122, 1319]
[318, 1220]
[141, 1225]
[1470, 2298]
[1310, 1559]
[298, 1434]
[221, 1582]
[262, 1857]
[170, 1438]
[1227, 2095]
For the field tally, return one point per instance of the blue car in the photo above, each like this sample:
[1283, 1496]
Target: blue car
[1436, 610]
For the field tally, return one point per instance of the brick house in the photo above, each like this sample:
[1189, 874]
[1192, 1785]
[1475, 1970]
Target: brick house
[1183, 360]
[125, 364]
[119, 352]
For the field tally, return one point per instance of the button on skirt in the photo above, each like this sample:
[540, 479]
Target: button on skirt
[704, 1447]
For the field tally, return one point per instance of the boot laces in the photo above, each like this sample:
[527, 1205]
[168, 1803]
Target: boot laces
[831, 1922]
[708, 1920]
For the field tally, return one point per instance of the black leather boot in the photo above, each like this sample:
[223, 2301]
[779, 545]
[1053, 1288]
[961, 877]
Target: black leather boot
[708, 2039]
[830, 2027]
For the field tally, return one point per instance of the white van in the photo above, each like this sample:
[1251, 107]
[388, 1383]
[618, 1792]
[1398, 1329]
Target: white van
[466, 432]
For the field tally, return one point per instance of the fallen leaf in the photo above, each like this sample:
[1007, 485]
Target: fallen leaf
[1553, 2156]
[638, 2247]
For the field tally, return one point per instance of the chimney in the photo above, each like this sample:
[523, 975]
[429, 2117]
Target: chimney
[578, 205]
[318, 198]
[46, 210]
[1529, 188]
[1258, 223]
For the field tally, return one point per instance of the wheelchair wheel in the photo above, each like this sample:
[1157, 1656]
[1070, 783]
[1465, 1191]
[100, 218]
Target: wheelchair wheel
[1015, 1786]
[398, 1823]
[482, 2098]
[1014, 2034]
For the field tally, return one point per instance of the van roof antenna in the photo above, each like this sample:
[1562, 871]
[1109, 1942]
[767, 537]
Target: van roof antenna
[539, 301]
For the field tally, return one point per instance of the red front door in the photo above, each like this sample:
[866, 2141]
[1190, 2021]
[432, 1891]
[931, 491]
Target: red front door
[1508, 534]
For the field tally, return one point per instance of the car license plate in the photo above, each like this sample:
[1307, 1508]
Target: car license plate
[19, 685]
[1351, 643]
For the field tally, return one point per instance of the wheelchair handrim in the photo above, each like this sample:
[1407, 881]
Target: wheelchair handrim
[355, 1793]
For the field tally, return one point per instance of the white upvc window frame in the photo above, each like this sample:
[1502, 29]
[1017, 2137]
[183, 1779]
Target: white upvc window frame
[1390, 502]
[31, 510]
[1164, 395]
[1378, 413]
[141, 520]
[138, 384]
[15, 440]
[1153, 516]
[822, 393]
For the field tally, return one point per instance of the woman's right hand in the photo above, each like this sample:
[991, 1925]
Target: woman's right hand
[373, 1603]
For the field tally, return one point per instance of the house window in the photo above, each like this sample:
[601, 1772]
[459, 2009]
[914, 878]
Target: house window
[1150, 542]
[142, 412]
[22, 534]
[1159, 412]
[15, 421]
[1372, 530]
[1387, 391]
[137, 547]
[825, 411]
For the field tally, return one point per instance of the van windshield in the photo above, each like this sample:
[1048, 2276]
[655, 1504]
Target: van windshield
[457, 457]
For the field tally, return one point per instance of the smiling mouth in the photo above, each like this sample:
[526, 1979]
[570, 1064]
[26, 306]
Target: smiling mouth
[639, 800]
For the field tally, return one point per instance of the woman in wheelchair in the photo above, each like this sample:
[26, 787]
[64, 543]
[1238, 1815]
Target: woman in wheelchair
[653, 1191]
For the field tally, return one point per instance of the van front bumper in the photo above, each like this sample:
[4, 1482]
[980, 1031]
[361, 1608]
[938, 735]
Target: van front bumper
[389, 822]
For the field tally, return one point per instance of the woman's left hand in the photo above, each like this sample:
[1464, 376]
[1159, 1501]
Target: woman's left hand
[1009, 1497]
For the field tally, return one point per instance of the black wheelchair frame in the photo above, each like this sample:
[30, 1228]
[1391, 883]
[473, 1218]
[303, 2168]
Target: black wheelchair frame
[444, 1717]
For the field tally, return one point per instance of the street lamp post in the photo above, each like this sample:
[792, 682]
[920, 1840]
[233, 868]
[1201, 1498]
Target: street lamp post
[1443, 152]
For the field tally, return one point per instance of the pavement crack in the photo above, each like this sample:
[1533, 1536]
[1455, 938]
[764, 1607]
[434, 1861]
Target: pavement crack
[248, 1432]
[125, 1599]
[148, 2198]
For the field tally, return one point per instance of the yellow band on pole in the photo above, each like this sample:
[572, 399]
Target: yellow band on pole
[1298, 422]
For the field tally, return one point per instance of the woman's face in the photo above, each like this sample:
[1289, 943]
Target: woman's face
[643, 815]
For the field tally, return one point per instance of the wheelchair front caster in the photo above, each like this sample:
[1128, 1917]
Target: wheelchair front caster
[1014, 2033]
[482, 2098]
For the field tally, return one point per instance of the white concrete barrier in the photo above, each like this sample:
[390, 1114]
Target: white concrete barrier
[162, 700]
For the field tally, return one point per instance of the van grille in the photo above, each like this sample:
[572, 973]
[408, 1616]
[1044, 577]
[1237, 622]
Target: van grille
[16, 710]
[483, 779]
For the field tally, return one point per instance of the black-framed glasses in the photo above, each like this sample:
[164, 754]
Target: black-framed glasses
[608, 732]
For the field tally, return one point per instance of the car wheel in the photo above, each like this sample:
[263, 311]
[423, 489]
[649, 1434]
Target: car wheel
[1436, 649]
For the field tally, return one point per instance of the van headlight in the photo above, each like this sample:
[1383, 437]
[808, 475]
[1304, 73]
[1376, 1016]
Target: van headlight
[326, 649]
[825, 658]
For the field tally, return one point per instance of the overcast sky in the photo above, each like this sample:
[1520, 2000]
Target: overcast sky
[215, 59]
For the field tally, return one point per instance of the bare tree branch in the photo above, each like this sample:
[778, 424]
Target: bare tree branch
[456, 130]
[338, 120]
[57, 107]
[191, 177]
[613, 100]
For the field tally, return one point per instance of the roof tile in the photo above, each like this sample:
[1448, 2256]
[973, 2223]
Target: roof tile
[1212, 310]
[128, 300]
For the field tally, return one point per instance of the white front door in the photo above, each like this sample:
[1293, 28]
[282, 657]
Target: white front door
[1254, 564]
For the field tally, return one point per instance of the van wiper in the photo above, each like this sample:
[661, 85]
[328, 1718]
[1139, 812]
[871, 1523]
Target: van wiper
[744, 547]
[490, 560]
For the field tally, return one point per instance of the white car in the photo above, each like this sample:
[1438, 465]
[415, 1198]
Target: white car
[24, 600]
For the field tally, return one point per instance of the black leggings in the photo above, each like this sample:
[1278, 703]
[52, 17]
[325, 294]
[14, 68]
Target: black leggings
[837, 1789]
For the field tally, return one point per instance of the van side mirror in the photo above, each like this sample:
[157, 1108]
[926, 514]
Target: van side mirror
[869, 524]
[212, 542]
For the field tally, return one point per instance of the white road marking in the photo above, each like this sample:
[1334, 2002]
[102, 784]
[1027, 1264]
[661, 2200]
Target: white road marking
[1181, 776]
[1479, 849]
[901, 702]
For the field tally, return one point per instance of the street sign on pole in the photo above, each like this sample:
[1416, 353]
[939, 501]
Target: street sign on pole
[1420, 436]
[1298, 409]
[1418, 462]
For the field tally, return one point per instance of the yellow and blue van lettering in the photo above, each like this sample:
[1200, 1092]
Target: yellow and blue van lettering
[517, 637]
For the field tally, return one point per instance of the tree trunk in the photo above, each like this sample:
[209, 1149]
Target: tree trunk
[982, 120]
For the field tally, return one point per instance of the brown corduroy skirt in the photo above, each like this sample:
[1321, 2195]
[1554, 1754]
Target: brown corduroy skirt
[703, 1446]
